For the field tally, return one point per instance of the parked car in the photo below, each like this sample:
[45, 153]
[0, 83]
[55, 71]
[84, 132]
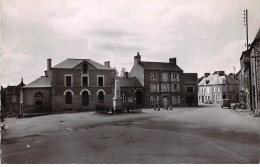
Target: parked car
[226, 103]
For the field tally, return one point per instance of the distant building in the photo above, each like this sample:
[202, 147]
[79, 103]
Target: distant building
[74, 84]
[218, 86]
[131, 91]
[10, 99]
[164, 83]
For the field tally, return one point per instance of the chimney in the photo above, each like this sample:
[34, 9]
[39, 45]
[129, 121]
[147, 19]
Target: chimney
[206, 75]
[221, 73]
[126, 74]
[107, 64]
[172, 60]
[48, 64]
[137, 58]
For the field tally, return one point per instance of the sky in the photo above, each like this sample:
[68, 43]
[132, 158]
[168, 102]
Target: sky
[204, 35]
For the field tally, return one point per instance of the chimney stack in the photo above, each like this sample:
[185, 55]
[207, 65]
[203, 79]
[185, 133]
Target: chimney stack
[107, 64]
[48, 64]
[137, 58]
[126, 74]
[206, 75]
[172, 60]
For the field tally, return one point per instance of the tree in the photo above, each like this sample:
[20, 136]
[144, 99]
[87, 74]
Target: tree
[122, 74]
[117, 73]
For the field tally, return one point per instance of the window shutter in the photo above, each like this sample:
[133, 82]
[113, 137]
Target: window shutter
[158, 99]
[168, 87]
[178, 77]
[158, 87]
[151, 87]
[151, 99]
[178, 87]
[156, 75]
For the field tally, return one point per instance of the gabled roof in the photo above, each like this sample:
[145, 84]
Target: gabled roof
[129, 82]
[213, 80]
[159, 66]
[42, 82]
[71, 63]
[190, 78]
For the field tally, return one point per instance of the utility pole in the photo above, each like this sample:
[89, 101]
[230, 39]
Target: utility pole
[246, 24]
[247, 47]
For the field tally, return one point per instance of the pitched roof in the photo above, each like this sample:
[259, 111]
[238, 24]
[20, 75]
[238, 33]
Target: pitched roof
[231, 80]
[213, 80]
[129, 82]
[42, 82]
[71, 63]
[159, 66]
[190, 78]
[216, 80]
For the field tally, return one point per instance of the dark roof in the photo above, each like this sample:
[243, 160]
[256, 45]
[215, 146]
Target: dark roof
[190, 78]
[42, 82]
[129, 82]
[230, 79]
[71, 63]
[159, 66]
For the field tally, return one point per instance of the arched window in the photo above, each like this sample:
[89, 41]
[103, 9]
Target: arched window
[101, 97]
[38, 98]
[85, 98]
[68, 97]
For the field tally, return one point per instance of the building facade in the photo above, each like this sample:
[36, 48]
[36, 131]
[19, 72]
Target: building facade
[10, 100]
[163, 83]
[74, 84]
[218, 86]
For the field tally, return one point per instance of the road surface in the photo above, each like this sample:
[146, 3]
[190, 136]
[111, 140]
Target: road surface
[204, 134]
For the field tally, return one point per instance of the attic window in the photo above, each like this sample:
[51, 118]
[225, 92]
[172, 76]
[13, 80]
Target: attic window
[85, 68]
[207, 82]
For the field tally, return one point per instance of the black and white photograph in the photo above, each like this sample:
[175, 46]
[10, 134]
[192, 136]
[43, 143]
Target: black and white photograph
[130, 82]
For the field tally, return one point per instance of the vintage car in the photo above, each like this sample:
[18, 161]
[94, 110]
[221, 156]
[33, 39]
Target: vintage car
[226, 103]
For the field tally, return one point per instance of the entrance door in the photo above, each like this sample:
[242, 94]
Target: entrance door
[139, 97]
[165, 101]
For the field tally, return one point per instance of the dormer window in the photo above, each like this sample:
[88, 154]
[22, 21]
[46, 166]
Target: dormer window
[85, 68]
[207, 82]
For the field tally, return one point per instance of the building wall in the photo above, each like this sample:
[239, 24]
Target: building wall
[255, 76]
[138, 72]
[188, 95]
[59, 88]
[205, 93]
[29, 100]
[160, 94]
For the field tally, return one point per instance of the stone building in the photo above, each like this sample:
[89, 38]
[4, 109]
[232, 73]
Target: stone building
[131, 91]
[254, 52]
[218, 86]
[244, 80]
[74, 84]
[10, 99]
[163, 83]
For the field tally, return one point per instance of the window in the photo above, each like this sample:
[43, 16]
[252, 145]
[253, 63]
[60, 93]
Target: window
[85, 81]
[68, 98]
[174, 77]
[154, 76]
[175, 87]
[164, 77]
[124, 97]
[178, 100]
[13, 99]
[68, 80]
[190, 89]
[85, 98]
[100, 80]
[165, 87]
[154, 88]
[85, 68]
[38, 98]
[101, 97]
[153, 100]
[174, 100]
